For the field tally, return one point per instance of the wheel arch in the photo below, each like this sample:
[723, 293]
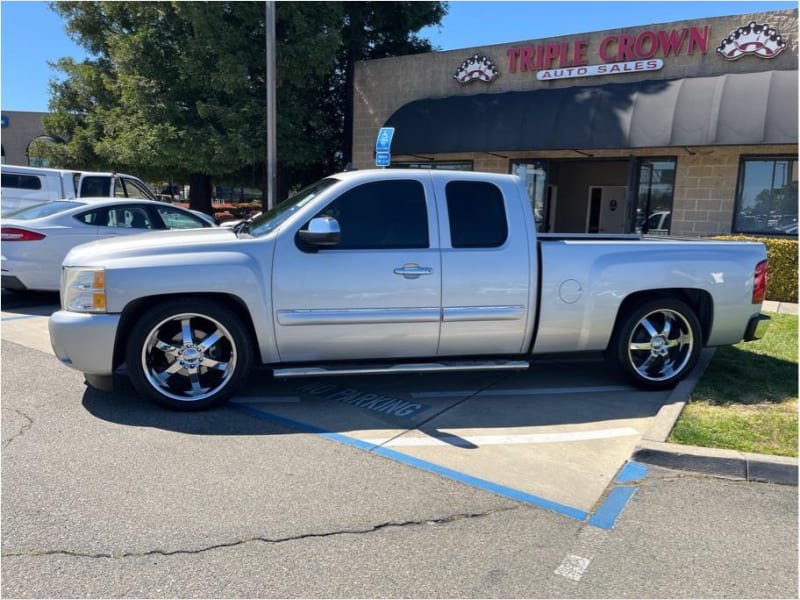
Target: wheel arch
[700, 301]
[134, 310]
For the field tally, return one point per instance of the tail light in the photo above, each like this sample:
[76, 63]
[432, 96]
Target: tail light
[760, 282]
[14, 234]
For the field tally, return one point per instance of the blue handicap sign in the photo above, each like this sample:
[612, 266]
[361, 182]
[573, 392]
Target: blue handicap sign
[384, 140]
[383, 159]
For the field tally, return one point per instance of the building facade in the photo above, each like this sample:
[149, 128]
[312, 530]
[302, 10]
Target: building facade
[687, 128]
[19, 130]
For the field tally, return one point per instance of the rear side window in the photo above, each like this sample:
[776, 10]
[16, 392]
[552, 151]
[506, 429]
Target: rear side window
[21, 182]
[98, 187]
[477, 214]
[128, 217]
[382, 214]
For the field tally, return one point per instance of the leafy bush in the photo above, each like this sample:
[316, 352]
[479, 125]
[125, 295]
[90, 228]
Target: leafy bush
[783, 273]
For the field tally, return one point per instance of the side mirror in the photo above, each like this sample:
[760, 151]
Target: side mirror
[321, 231]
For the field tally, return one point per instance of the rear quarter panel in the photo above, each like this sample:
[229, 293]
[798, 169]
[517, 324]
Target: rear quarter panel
[585, 282]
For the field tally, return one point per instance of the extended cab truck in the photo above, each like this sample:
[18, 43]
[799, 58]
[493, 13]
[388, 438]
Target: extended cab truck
[26, 186]
[394, 271]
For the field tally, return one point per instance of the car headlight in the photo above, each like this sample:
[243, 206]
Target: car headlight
[84, 289]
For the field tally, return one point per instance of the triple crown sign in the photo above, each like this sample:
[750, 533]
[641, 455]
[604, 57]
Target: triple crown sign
[382, 144]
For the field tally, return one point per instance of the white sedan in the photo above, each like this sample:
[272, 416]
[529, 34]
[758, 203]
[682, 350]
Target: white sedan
[37, 238]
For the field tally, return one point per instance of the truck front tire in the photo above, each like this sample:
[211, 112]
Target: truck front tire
[657, 343]
[188, 354]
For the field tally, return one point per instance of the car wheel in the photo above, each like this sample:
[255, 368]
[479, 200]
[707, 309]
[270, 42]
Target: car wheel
[188, 355]
[658, 343]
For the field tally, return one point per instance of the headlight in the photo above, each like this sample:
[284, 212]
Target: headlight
[84, 289]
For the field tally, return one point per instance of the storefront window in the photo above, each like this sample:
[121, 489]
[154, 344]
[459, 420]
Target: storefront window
[37, 151]
[655, 190]
[767, 196]
[534, 174]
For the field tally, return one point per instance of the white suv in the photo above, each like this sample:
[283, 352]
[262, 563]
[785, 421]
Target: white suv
[26, 186]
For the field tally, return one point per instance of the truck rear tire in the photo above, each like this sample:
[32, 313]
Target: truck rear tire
[657, 343]
[188, 354]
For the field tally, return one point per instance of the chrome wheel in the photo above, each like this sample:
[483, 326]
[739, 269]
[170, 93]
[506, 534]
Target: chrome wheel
[657, 343]
[189, 357]
[188, 353]
[661, 345]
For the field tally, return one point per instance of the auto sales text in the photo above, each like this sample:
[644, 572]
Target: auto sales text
[614, 48]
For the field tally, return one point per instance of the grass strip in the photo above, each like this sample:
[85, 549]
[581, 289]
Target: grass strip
[747, 398]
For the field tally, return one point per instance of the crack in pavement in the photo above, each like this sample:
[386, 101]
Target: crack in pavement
[22, 431]
[141, 554]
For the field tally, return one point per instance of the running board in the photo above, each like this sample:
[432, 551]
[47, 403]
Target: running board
[437, 367]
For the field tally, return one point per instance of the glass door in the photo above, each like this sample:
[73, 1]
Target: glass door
[655, 191]
[534, 174]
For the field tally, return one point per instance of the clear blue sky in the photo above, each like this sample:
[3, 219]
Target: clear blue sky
[32, 35]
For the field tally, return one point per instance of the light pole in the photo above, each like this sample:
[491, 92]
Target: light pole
[271, 162]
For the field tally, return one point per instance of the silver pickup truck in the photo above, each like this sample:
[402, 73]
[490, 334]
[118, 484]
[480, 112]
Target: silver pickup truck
[395, 271]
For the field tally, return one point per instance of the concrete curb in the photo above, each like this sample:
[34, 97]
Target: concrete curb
[653, 448]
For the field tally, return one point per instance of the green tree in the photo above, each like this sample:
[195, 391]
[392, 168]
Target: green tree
[178, 88]
[375, 30]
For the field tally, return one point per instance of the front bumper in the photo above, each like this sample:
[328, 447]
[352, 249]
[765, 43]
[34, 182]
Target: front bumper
[84, 341]
[757, 327]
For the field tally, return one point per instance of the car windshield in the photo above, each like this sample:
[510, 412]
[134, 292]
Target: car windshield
[38, 211]
[270, 220]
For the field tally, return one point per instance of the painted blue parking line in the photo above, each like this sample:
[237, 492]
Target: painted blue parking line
[632, 471]
[489, 486]
[611, 509]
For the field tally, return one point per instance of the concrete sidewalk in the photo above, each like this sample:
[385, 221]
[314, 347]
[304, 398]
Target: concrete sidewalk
[654, 449]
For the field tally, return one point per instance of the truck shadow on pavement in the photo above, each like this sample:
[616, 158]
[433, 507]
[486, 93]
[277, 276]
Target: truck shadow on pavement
[578, 395]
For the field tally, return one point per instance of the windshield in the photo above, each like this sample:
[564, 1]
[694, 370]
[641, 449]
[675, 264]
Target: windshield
[40, 210]
[270, 220]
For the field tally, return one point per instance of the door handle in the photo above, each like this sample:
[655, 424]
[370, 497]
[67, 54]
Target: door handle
[412, 271]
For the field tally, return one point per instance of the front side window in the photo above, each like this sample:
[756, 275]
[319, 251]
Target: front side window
[381, 214]
[766, 201]
[477, 214]
[133, 189]
[655, 190]
[177, 219]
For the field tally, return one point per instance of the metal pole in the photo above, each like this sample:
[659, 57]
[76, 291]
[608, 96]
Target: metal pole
[271, 163]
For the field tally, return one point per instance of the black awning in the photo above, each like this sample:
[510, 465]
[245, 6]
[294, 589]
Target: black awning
[732, 109]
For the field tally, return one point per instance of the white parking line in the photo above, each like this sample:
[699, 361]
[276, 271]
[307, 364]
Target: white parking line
[573, 567]
[557, 390]
[525, 391]
[495, 440]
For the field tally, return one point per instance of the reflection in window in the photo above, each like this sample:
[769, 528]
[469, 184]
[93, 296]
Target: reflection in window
[534, 176]
[766, 202]
[38, 150]
[655, 190]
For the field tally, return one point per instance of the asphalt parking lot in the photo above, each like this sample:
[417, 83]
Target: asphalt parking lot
[555, 435]
[476, 484]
